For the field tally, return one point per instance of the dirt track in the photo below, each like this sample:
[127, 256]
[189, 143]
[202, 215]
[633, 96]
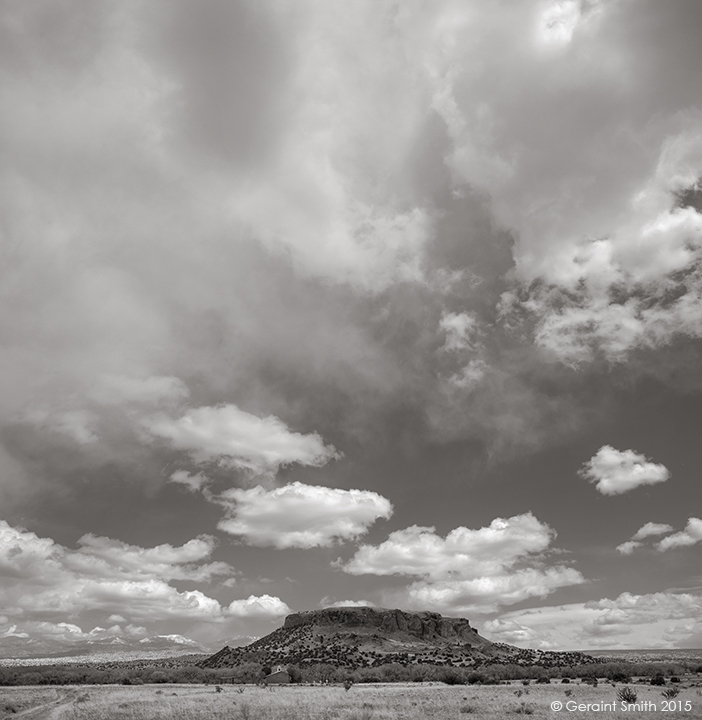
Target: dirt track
[52, 710]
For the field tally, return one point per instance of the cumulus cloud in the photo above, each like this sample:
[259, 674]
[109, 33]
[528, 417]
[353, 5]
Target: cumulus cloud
[651, 529]
[237, 439]
[468, 570]
[628, 547]
[42, 579]
[298, 515]
[261, 606]
[618, 471]
[326, 603]
[627, 621]
[691, 535]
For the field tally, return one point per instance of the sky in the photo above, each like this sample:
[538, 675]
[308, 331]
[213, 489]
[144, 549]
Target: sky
[363, 302]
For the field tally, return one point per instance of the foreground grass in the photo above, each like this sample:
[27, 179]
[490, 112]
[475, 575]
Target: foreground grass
[363, 702]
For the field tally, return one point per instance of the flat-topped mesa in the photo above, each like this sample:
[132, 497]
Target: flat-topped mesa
[422, 625]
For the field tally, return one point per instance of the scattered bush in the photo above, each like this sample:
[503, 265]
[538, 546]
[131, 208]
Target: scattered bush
[658, 679]
[670, 693]
[627, 695]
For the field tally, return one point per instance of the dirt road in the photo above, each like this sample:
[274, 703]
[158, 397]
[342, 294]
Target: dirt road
[53, 710]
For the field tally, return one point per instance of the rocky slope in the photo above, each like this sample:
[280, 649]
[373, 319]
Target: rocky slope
[357, 637]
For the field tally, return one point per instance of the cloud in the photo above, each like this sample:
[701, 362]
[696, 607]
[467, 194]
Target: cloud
[618, 471]
[298, 515]
[43, 580]
[606, 259]
[628, 621]
[320, 199]
[118, 390]
[240, 440]
[691, 535]
[461, 330]
[628, 547]
[326, 603]
[262, 606]
[651, 529]
[468, 570]
[194, 483]
[486, 594]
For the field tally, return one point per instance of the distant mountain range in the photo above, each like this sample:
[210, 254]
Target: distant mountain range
[17, 647]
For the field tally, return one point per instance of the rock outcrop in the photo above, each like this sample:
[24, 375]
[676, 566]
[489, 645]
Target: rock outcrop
[421, 625]
[357, 637]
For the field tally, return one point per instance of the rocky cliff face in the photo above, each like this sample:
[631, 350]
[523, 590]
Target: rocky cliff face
[422, 625]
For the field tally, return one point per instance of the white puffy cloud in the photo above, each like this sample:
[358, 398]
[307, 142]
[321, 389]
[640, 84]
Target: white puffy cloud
[261, 606]
[326, 603]
[238, 439]
[42, 579]
[691, 535]
[617, 471]
[468, 570]
[628, 547]
[628, 621]
[511, 632]
[651, 529]
[463, 552]
[298, 515]
[488, 593]
[106, 557]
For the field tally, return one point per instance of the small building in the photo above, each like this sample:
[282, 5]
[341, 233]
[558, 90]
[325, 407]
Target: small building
[278, 676]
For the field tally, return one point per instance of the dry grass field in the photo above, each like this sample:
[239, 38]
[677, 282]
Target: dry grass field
[362, 702]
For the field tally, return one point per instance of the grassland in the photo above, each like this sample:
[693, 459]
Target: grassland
[412, 701]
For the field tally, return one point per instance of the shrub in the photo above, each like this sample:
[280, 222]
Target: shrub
[675, 679]
[670, 693]
[627, 695]
[543, 680]
[658, 679]
[453, 677]
[565, 681]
